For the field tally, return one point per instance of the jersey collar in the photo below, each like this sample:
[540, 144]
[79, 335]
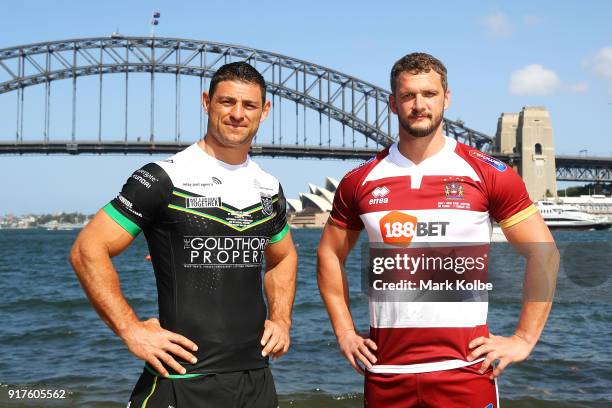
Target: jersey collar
[200, 154]
[401, 160]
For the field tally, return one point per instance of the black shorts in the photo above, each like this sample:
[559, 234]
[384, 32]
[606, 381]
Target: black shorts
[239, 389]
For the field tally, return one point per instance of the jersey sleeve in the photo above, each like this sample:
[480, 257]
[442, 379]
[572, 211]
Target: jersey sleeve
[280, 225]
[144, 193]
[509, 202]
[343, 213]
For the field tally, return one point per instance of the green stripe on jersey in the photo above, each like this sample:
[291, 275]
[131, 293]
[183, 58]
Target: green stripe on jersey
[122, 220]
[171, 376]
[280, 235]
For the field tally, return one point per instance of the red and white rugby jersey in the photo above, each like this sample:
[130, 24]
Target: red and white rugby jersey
[448, 198]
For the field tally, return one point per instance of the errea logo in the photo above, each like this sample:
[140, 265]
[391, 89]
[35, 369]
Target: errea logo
[380, 191]
[380, 195]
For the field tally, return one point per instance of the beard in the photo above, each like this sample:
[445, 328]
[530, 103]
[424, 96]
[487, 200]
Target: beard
[421, 131]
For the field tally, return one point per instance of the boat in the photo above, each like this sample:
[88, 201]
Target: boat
[565, 216]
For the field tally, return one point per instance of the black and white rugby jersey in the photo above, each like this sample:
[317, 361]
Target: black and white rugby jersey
[207, 224]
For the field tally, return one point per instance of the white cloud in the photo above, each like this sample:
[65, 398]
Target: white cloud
[601, 64]
[534, 80]
[498, 24]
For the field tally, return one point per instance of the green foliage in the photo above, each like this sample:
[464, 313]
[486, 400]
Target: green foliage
[591, 188]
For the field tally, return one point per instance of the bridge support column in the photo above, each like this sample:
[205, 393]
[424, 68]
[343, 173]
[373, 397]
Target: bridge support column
[529, 134]
[535, 144]
[505, 138]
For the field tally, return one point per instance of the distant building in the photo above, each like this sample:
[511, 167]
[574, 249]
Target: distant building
[312, 209]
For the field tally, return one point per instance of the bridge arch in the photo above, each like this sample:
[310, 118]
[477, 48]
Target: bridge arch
[348, 100]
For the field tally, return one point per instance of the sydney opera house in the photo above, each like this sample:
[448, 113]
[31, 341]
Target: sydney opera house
[312, 209]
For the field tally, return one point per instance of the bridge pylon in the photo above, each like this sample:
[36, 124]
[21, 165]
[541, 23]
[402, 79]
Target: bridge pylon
[529, 136]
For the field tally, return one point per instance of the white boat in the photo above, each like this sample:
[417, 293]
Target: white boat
[569, 216]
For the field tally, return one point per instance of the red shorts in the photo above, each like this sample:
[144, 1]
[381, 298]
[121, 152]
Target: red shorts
[458, 388]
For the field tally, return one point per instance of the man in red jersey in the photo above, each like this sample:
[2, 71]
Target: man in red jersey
[429, 190]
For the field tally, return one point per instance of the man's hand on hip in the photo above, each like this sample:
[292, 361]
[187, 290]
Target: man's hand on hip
[148, 341]
[505, 349]
[275, 339]
[356, 347]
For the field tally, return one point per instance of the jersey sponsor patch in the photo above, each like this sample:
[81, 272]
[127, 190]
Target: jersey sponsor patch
[400, 228]
[223, 251]
[144, 177]
[203, 202]
[491, 161]
[127, 204]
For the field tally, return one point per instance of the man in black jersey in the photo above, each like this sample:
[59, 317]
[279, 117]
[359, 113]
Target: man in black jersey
[210, 216]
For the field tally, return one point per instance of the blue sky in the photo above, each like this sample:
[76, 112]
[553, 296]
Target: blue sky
[500, 56]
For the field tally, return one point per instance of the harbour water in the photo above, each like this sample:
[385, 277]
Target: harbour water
[51, 338]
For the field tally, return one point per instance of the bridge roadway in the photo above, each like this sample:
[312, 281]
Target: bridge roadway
[569, 168]
[350, 102]
[270, 150]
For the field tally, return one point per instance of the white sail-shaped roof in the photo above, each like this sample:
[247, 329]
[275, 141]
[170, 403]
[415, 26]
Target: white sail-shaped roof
[315, 201]
[325, 193]
[331, 184]
[294, 204]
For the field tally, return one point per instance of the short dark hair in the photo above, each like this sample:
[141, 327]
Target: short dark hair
[238, 71]
[418, 63]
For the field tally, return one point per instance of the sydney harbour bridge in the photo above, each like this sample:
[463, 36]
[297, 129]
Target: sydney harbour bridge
[127, 95]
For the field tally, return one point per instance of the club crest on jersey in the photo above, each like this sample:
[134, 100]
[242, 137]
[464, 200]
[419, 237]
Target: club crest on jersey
[453, 191]
[266, 204]
[380, 195]
[491, 161]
